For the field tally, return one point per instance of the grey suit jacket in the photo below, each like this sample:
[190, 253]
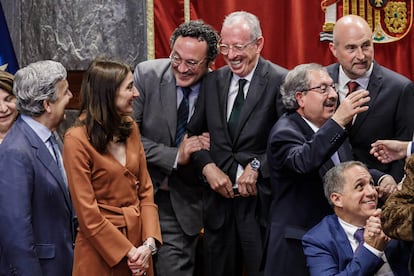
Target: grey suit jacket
[260, 111]
[155, 111]
[390, 116]
[36, 232]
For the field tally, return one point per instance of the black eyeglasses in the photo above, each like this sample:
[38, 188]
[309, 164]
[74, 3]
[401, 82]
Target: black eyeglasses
[322, 89]
[238, 48]
[190, 64]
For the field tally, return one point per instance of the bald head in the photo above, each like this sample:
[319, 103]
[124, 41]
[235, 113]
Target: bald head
[351, 24]
[353, 45]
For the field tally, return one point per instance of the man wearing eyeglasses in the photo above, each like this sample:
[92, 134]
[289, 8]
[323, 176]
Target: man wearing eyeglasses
[168, 91]
[391, 113]
[237, 106]
[303, 145]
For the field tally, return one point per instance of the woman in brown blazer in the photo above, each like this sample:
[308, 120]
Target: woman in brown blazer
[108, 179]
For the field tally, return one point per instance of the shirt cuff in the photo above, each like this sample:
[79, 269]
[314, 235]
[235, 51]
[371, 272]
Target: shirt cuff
[410, 149]
[175, 166]
[373, 250]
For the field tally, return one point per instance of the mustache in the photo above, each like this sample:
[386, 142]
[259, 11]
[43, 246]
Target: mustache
[331, 102]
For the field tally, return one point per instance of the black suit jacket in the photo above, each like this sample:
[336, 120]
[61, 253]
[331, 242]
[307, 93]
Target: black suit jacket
[156, 114]
[260, 111]
[390, 116]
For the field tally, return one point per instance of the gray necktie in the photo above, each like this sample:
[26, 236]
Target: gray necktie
[58, 157]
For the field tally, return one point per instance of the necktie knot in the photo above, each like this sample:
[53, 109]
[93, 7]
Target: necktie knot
[186, 91]
[359, 235]
[242, 83]
[352, 86]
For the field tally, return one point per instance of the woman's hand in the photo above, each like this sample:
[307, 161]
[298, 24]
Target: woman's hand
[138, 260]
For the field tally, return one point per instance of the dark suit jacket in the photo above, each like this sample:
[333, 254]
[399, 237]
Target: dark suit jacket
[328, 252]
[36, 218]
[260, 111]
[298, 159]
[155, 111]
[390, 116]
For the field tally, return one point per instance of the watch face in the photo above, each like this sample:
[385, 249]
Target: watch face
[255, 164]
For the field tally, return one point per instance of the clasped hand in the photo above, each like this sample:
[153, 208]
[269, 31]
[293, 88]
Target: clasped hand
[138, 260]
[221, 183]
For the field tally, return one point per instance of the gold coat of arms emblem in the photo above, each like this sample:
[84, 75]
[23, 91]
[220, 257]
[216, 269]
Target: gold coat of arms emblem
[390, 20]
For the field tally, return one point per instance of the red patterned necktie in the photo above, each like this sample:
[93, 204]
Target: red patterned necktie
[352, 86]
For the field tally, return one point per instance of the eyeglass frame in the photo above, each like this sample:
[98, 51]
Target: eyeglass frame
[193, 65]
[236, 47]
[321, 90]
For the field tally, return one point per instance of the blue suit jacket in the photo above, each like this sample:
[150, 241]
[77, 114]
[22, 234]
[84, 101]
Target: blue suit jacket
[328, 252]
[36, 232]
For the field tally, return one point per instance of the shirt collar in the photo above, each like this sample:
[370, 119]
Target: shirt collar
[41, 130]
[363, 81]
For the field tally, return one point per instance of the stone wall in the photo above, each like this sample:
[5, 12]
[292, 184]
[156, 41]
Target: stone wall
[75, 32]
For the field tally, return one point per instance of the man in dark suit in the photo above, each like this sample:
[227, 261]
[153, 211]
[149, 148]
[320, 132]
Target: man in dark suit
[391, 113]
[162, 84]
[334, 247]
[305, 143]
[238, 115]
[36, 227]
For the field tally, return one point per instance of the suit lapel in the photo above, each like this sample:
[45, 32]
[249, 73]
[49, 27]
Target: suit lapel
[256, 89]
[374, 85]
[168, 95]
[223, 95]
[45, 158]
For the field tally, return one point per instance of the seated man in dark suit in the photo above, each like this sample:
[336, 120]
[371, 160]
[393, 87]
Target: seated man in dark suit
[334, 246]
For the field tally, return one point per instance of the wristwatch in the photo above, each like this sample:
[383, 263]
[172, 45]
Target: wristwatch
[153, 249]
[255, 164]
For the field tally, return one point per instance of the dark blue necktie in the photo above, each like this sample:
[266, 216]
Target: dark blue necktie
[236, 110]
[182, 116]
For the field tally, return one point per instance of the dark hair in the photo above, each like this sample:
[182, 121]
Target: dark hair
[203, 32]
[98, 93]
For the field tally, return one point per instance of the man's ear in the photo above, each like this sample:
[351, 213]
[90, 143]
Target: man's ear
[336, 199]
[46, 106]
[299, 98]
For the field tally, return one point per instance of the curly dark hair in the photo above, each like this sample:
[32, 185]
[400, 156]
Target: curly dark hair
[203, 32]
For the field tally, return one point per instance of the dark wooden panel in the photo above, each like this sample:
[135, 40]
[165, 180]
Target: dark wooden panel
[75, 81]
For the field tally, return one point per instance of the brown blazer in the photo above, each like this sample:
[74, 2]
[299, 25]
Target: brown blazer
[114, 203]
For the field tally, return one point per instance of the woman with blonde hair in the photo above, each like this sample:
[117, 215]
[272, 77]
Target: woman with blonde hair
[8, 111]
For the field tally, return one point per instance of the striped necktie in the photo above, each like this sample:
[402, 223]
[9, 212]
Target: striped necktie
[182, 116]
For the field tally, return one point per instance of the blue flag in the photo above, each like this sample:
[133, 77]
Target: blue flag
[8, 61]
